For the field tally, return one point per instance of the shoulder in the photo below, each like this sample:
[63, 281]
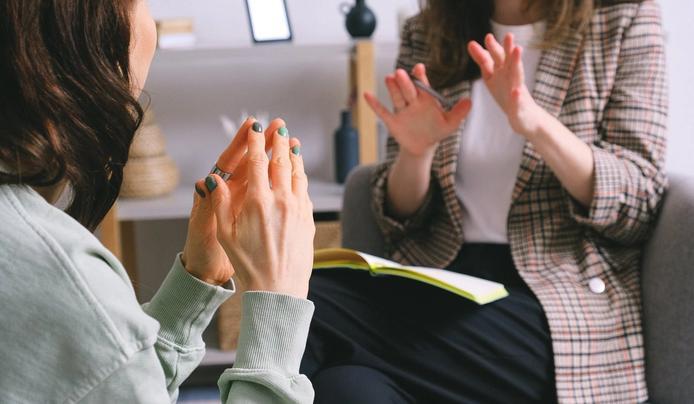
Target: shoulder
[414, 47]
[621, 33]
[620, 15]
[414, 31]
[61, 291]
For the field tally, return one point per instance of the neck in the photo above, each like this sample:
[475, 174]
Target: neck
[516, 12]
[52, 193]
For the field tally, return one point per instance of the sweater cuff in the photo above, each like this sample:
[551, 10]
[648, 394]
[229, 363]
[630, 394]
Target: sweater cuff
[274, 330]
[609, 192]
[185, 305]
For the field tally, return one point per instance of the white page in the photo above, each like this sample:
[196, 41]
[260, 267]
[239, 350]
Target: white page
[471, 284]
[377, 261]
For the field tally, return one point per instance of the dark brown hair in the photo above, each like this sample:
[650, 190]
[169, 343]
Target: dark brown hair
[66, 107]
[451, 24]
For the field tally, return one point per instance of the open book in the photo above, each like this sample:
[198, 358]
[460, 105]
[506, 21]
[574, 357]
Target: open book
[478, 290]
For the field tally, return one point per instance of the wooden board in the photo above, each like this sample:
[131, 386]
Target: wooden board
[363, 79]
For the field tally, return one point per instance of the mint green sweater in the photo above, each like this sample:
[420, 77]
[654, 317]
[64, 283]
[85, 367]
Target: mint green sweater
[72, 331]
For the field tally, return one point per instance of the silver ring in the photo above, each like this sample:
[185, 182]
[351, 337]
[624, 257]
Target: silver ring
[225, 175]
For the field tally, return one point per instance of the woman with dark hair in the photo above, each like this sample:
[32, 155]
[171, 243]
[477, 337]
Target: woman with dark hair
[72, 331]
[545, 175]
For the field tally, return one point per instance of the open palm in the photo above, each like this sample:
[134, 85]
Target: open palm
[418, 122]
[503, 74]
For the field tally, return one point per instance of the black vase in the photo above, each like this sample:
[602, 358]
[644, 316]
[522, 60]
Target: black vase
[346, 148]
[361, 21]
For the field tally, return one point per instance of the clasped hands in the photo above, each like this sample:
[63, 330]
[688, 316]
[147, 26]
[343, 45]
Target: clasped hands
[418, 122]
[258, 224]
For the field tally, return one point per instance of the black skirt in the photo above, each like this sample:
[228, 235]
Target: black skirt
[393, 340]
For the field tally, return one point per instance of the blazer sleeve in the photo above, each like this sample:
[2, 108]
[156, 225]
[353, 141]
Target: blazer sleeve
[393, 228]
[629, 159]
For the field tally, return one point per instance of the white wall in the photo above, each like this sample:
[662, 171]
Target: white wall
[678, 20]
[225, 22]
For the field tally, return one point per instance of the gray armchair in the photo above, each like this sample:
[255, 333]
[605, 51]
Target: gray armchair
[668, 281]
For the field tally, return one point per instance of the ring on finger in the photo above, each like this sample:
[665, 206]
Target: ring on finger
[223, 174]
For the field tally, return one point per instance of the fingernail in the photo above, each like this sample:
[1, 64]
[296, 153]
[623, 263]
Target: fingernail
[210, 183]
[283, 132]
[257, 127]
[296, 150]
[199, 191]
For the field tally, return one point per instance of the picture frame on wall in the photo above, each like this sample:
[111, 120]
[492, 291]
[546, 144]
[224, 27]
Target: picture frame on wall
[269, 21]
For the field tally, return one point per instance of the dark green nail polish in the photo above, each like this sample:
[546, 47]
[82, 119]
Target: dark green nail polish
[210, 183]
[283, 132]
[257, 127]
[199, 191]
[296, 150]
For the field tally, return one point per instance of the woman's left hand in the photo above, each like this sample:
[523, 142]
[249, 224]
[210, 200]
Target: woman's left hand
[502, 72]
[203, 256]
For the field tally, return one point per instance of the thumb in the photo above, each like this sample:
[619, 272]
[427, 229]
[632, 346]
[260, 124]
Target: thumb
[459, 112]
[420, 72]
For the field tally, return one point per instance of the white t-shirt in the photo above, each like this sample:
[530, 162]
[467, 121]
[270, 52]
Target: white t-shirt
[490, 152]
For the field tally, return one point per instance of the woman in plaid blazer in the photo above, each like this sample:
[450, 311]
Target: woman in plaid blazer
[586, 194]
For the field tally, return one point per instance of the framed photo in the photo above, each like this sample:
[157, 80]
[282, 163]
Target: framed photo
[269, 20]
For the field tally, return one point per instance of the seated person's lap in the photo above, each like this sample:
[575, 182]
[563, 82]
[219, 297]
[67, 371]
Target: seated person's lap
[433, 344]
[357, 385]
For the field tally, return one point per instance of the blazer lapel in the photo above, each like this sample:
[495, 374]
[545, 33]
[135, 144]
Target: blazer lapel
[552, 80]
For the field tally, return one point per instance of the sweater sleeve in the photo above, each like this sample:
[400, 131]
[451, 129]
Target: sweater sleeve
[139, 380]
[274, 329]
[154, 369]
[629, 160]
[184, 307]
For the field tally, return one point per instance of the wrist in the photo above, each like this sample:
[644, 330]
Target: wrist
[298, 292]
[537, 120]
[197, 272]
[422, 159]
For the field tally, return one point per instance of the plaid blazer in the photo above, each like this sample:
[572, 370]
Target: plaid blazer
[608, 86]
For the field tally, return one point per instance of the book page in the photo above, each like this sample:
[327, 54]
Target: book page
[377, 262]
[338, 255]
[475, 286]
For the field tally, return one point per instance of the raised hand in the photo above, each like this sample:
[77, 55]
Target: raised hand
[267, 228]
[418, 122]
[503, 74]
[203, 256]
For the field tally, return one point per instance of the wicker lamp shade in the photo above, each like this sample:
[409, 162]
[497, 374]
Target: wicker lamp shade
[150, 172]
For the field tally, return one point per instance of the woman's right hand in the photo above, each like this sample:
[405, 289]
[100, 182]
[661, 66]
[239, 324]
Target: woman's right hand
[418, 122]
[267, 228]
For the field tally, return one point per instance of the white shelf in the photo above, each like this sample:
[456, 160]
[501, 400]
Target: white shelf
[263, 52]
[326, 197]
